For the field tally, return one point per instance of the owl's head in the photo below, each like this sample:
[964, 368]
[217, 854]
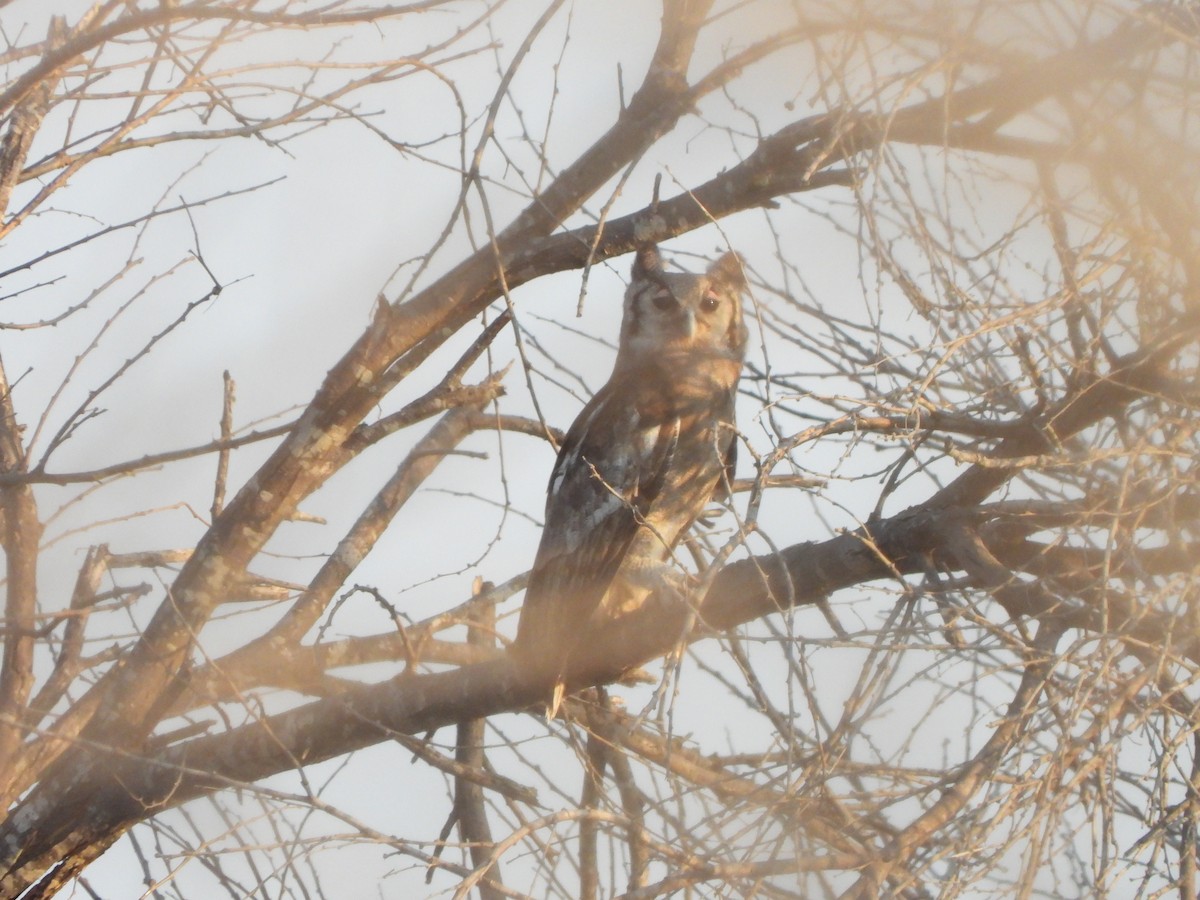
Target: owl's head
[679, 313]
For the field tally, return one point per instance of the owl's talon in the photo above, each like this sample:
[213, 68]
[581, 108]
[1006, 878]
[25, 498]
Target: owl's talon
[710, 515]
[678, 585]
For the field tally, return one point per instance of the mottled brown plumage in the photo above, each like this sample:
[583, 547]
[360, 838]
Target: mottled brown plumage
[640, 462]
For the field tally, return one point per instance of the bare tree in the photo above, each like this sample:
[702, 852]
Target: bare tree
[943, 638]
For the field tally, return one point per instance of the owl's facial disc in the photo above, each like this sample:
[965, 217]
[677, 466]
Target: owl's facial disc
[692, 319]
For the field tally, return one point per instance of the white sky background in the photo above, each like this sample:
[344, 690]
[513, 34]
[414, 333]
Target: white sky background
[312, 252]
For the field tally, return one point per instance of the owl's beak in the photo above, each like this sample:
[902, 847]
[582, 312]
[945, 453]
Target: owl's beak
[688, 325]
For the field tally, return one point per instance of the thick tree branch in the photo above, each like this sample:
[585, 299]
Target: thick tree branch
[744, 590]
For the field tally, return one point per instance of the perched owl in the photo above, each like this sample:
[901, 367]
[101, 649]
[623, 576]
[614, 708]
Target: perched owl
[640, 462]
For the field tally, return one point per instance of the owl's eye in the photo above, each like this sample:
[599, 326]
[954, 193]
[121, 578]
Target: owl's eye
[710, 303]
[664, 301]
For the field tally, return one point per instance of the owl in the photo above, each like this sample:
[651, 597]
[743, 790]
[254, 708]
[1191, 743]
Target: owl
[640, 462]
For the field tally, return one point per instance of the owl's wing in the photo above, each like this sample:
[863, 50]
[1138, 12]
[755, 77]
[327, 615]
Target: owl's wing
[728, 460]
[610, 470]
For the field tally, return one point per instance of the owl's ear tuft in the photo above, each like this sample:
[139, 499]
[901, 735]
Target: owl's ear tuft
[729, 271]
[647, 262]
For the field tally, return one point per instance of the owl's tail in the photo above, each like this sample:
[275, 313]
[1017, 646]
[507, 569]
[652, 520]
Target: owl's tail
[556, 699]
[542, 652]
